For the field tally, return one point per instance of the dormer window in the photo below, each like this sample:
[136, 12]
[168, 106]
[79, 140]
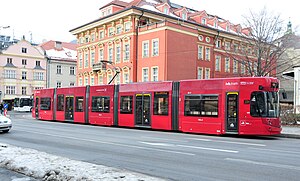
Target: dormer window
[228, 27]
[203, 21]
[166, 10]
[108, 11]
[184, 16]
[215, 24]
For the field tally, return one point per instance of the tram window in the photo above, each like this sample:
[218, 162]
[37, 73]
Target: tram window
[79, 104]
[100, 104]
[60, 102]
[161, 103]
[126, 105]
[258, 104]
[201, 105]
[46, 103]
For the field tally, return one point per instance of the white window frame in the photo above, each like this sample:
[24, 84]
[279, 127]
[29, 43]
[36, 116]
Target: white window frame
[86, 80]
[110, 53]
[203, 21]
[92, 80]
[200, 73]
[111, 31]
[145, 53]
[218, 44]
[207, 53]
[80, 60]
[58, 69]
[154, 77]
[125, 58]
[200, 52]
[207, 73]
[127, 26]
[101, 54]
[10, 90]
[145, 78]
[100, 79]
[86, 60]
[227, 64]
[227, 45]
[126, 77]
[92, 58]
[235, 66]
[155, 50]
[80, 82]
[119, 27]
[58, 84]
[101, 34]
[118, 54]
[10, 74]
[218, 63]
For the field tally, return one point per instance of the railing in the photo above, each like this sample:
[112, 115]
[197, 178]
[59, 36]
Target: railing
[99, 66]
[152, 25]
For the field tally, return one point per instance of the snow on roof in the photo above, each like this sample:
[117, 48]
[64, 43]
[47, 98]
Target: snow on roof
[65, 53]
[151, 8]
[152, 1]
[45, 166]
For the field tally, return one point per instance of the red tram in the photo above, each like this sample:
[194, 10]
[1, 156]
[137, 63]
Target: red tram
[245, 105]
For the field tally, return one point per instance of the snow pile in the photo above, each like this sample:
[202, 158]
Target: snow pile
[48, 167]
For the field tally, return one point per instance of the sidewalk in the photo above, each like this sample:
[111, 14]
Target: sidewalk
[290, 132]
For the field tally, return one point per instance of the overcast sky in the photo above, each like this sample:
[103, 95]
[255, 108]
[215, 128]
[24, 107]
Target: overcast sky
[53, 19]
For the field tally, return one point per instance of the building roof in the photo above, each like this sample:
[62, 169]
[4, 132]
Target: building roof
[60, 50]
[117, 3]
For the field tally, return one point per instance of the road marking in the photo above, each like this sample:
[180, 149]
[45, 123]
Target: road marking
[154, 138]
[156, 144]
[231, 142]
[206, 148]
[264, 164]
[109, 143]
[281, 151]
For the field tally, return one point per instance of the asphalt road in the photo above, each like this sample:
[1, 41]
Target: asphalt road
[174, 156]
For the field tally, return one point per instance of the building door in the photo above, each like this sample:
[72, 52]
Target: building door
[69, 110]
[36, 108]
[232, 112]
[142, 110]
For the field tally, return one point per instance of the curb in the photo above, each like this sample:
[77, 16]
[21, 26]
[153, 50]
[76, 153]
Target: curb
[288, 135]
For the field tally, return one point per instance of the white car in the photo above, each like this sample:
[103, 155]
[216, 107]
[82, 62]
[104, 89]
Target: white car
[5, 124]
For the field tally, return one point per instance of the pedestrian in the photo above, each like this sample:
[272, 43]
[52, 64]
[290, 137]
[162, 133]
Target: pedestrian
[1, 108]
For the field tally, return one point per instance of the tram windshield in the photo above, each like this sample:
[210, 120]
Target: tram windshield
[264, 104]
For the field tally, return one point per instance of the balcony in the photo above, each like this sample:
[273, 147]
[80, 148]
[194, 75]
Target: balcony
[151, 26]
[99, 67]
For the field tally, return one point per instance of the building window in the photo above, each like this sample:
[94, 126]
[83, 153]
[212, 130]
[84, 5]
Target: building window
[24, 62]
[118, 80]
[111, 31]
[235, 66]
[72, 70]
[227, 64]
[24, 92]
[80, 82]
[216, 24]
[200, 73]
[24, 50]
[126, 52]
[9, 60]
[118, 54]
[155, 47]
[110, 54]
[109, 78]
[207, 73]
[86, 81]
[200, 52]
[10, 90]
[145, 49]
[227, 45]
[166, 10]
[10, 74]
[100, 79]
[87, 39]
[92, 81]
[207, 54]
[235, 47]
[72, 84]
[101, 54]
[37, 63]
[145, 75]
[101, 34]
[58, 69]
[38, 75]
[154, 74]
[203, 21]
[80, 60]
[119, 29]
[86, 60]
[92, 58]
[24, 75]
[93, 37]
[127, 26]
[126, 77]
[243, 68]
[218, 63]
[58, 84]
[184, 16]
[218, 44]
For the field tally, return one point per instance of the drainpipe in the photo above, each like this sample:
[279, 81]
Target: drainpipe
[214, 58]
[136, 43]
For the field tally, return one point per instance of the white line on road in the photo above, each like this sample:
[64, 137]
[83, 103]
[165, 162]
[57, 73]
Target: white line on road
[291, 167]
[154, 138]
[109, 143]
[281, 151]
[206, 148]
[156, 144]
[231, 142]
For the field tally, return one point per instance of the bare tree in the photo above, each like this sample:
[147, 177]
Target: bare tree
[263, 46]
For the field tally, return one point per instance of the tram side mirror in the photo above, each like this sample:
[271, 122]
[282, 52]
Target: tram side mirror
[284, 95]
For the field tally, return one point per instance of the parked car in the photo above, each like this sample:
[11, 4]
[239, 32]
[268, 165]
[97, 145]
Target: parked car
[5, 124]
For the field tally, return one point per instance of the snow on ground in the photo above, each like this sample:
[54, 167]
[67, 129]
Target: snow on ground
[49, 167]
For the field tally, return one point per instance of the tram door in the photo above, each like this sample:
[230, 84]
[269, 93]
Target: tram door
[37, 108]
[69, 110]
[232, 111]
[142, 110]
